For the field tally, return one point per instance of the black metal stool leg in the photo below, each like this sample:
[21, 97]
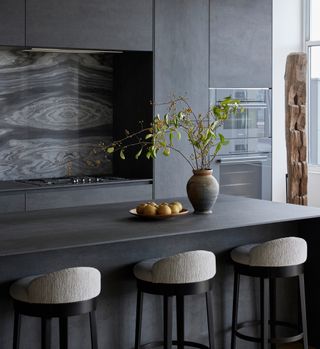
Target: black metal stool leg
[273, 309]
[264, 312]
[63, 332]
[93, 330]
[303, 311]
[16, 330]
[235, 309]
[209, 302]
[167, 322]
[45, 333]
[180, 322]
[138, 319]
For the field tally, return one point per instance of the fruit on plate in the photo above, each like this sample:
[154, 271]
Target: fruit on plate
[140, 208]
[174, 208]
[164, 210]
[149, 210]
[177, 203]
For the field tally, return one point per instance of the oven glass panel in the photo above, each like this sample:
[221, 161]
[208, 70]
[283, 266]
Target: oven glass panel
[254, 120]
[241, 179]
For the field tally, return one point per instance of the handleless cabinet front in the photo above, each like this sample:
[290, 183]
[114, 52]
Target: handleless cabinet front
[94, 24]
[240, 43]
[181, 69]
[12, 22]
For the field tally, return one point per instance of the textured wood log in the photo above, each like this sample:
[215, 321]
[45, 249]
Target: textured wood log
[295, 99]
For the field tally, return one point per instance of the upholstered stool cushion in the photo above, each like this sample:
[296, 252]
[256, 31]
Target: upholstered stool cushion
[275, 253]
[64, 286]
[187, 267]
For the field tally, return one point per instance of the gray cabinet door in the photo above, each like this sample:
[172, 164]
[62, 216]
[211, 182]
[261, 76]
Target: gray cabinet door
[181, 68]
[94, 24]
[12, 22]
[240, 43]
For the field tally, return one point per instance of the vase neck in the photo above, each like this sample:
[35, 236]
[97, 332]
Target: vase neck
[206, 172]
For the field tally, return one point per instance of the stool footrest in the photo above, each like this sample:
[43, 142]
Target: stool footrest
[275, 340]
[185, 343]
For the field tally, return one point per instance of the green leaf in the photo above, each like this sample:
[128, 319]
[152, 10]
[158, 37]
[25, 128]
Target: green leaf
[171, 138]
[138, 154]
[122, 154]
[166, 152]
[110, 150]
[221, 136]
[178, 135]
[148, 155]
[166, 119]
[218, 147]
[149, 135]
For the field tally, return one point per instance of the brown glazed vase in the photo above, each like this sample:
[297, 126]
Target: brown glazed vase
[202, 190]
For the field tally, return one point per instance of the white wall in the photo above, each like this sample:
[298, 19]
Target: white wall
[314, 186]
[287, 38]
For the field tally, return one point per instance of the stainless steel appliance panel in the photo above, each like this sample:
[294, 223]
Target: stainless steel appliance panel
[245, 175]
[254, 120]
[244, 165]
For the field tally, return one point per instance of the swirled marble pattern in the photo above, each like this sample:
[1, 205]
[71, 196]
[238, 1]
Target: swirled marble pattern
[54, 109]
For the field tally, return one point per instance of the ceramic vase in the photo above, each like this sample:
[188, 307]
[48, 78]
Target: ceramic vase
[202, 190]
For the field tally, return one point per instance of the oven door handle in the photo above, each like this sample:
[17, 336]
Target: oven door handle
[243, 159]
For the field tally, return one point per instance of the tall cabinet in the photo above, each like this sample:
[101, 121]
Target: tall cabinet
[240, 43]
[181, 53]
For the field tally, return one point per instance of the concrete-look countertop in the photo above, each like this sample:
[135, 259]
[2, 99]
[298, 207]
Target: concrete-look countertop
[49, 230]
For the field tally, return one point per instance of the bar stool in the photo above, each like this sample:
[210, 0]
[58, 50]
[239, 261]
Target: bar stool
[188, 273]
[60, 294]
[280, 258]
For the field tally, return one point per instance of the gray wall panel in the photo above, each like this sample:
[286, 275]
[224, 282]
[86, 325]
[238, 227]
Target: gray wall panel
[240, 43]
[181, 68]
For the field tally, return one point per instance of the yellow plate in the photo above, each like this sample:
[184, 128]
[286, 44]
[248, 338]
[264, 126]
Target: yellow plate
[158, 216]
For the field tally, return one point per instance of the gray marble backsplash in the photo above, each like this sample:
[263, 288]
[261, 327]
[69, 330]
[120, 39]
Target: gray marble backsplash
[55, 108]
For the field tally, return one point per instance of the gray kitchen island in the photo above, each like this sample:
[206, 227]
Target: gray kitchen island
[110, 239]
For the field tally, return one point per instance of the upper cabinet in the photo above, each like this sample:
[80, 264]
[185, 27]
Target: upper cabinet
[12, 23]
[240, 43]
[94, 24]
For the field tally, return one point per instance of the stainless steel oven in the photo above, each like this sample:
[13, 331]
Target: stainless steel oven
[244, 165]
[245, 175]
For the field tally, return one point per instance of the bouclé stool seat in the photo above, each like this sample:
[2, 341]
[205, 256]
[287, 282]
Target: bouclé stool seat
[60, 294]
[187, 273]
[268, 261]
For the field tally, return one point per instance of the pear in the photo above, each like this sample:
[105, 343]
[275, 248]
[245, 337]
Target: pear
[177, 203]
[140, 208]
[149, 210]
[174, 208]
[164, 210]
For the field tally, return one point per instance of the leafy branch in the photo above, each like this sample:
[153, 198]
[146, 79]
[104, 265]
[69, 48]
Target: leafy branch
[163, 133]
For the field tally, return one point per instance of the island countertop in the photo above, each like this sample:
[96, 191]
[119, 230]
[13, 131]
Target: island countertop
[49, 230]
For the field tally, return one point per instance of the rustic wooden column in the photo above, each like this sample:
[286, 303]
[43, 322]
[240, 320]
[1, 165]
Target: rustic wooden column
[295, 99]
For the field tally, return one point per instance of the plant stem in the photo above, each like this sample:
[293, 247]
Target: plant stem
[179, 152]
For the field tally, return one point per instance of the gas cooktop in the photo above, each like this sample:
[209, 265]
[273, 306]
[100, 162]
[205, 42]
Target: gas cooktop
[71, 180]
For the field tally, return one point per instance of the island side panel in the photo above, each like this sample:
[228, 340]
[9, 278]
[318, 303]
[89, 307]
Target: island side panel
[116, 310]
[310, 231]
